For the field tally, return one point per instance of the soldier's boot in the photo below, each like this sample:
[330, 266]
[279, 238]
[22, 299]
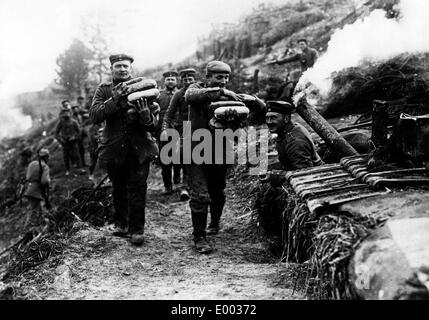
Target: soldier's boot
[137, 239]
[202, 246]
[120, 231]
[213, 228]
[216, 209]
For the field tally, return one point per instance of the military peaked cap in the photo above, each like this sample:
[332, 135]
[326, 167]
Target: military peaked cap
[119, 57]
[187, 71]
[218, 67]
[282, 107]
[170, 73]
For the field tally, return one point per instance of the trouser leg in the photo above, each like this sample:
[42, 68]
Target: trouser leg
[166, 175]
[81, 152]
[117, 175]
[136, 187]
[66, 156]
[176, 173]
[199, 198]
[74, 153]
[216, 187]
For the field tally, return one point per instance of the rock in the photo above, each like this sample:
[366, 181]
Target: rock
[379, 270]
[63, 279]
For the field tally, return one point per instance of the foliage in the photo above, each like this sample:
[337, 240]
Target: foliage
[292, 24]
[73, 67]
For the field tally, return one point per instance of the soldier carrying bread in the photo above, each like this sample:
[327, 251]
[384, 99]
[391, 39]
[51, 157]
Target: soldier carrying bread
[126, 147]
[207, 181]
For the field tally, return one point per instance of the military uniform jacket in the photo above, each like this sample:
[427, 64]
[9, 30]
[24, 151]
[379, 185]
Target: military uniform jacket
[177, 111]
[67, 130]
[164, 99]
[199, 97]
[123, 130]
[34, 188]
[296, 149]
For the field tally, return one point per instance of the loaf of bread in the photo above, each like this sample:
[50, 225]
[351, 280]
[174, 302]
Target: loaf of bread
[140, 84]
[148, 94]
[242, 111]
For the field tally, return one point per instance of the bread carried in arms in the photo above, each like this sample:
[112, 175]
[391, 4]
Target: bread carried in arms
[140, 87]
[221, 110]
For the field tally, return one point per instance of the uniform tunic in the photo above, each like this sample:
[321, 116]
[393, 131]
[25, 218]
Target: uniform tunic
[34, 189]
[296, 148]
[126, 148]
[122, 131]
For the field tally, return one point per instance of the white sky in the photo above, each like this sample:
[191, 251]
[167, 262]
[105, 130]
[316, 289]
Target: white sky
[33, 33]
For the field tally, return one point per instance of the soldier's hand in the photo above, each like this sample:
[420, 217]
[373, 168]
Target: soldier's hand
[142, 107]
[231, 94]
[231, 115]
[119, 92]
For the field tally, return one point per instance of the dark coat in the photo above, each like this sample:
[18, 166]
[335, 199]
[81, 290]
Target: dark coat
[163, 100]
[123, 130]
[296, 149]
[35, 182]
[177, 111]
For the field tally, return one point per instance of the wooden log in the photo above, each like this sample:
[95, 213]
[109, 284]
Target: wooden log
[322, 127]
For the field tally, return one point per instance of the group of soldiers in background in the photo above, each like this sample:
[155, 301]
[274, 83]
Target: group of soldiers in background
[120, 137]
[77, 134]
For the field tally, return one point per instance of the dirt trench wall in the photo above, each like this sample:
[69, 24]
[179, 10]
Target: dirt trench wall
[375, 248]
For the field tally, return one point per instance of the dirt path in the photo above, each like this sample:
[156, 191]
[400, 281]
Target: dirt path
[97, 265]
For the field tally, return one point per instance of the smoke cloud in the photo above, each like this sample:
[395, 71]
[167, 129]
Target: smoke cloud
[374, 38]
[12, 121]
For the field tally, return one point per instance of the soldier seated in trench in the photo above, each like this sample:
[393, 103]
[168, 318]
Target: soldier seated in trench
[294, 145]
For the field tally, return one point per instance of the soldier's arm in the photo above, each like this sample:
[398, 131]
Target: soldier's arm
[170, 113]
[292, 58]
[102, 106]
[46, 179]
[57, 131]
[149, 119]
[316, 55]
[196, 93]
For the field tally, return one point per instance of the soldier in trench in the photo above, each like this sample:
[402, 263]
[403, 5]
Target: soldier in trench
[294, 145]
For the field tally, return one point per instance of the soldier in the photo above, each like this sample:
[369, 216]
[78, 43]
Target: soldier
[38, 181]
[66, 104]
[294, 145]
[306, 57]
[177, 112]
[67, 133]
[126, 147]
[94, 133]
[170, 88]
[207, 181]
[77, 115]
